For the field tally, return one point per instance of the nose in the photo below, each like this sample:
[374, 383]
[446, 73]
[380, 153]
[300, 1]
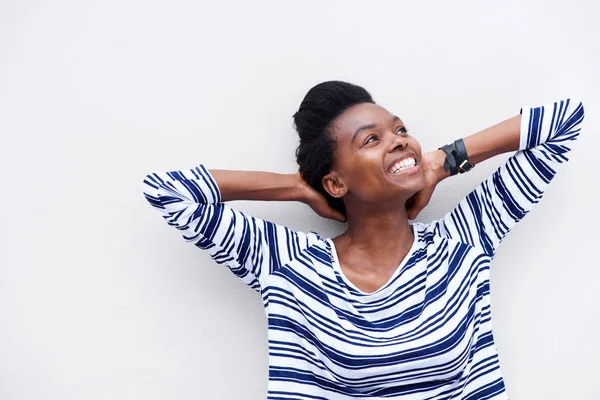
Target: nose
[398, 142]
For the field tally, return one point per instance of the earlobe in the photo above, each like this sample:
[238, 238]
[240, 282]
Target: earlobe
[334, 186]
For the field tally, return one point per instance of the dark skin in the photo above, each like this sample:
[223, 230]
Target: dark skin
[379, 236]
[378, 203]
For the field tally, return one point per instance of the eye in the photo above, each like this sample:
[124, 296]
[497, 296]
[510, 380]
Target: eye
[369, 139]
[401, 130]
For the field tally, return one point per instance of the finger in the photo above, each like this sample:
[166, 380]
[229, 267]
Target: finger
[414, 210]
[413, 207]
[338, 216]
[412, 214]
[330, 213]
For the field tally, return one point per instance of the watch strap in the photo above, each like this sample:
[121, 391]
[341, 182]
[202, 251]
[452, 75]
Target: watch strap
[462, 158]
[456, 160]
[450, 161]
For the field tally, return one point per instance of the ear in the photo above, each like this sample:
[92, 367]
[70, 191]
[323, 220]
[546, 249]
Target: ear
[334, 185]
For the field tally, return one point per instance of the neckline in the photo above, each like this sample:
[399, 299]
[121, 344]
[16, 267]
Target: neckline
[336, 264]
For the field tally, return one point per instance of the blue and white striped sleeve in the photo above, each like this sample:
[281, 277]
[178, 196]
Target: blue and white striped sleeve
[489, 212]
[190, 201]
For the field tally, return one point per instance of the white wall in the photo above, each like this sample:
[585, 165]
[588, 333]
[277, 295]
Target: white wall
[100, 299]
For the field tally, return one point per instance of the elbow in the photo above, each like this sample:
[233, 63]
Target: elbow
[577, 110]
[150, 186]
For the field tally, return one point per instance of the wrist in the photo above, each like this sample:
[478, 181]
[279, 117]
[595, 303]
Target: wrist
[438, 165]
[300, 189]
[280, 187]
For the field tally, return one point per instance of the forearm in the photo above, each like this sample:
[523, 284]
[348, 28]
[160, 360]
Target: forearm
[500, 138]
[258, 185]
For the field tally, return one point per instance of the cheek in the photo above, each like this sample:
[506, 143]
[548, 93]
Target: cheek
[365, 177]
[414, 143]
[362, 166]
[356, 176]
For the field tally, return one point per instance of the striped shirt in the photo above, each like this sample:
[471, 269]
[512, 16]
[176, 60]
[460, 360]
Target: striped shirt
[426, 333]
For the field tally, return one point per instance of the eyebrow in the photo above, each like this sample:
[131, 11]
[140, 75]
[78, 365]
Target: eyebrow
[369, 126]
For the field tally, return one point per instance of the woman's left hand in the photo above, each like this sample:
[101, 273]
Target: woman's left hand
[433, 172]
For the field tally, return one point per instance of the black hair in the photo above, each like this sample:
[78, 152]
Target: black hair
[313, 121]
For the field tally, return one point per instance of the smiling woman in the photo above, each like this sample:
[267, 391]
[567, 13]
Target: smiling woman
[364, 159]
[388, 309]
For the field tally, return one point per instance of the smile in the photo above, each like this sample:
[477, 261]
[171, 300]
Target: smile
[404, 165]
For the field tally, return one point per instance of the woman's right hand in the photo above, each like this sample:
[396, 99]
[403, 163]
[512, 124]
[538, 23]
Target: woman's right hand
[317, 201]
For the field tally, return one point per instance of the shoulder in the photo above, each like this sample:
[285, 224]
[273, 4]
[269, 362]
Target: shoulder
[433, 236]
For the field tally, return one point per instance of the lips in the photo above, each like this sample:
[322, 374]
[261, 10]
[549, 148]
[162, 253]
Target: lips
[402, 157]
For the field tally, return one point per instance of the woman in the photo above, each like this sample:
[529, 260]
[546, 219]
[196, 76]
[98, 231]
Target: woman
[388, 309]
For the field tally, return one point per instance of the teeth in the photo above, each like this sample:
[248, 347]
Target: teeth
[401, 165]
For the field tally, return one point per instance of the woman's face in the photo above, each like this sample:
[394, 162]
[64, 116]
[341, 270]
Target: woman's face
[370, 142]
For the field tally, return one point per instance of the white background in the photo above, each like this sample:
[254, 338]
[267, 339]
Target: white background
[100, 299]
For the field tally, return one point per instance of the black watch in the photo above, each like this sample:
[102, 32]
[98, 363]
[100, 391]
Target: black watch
[461, 157]
[456, 160]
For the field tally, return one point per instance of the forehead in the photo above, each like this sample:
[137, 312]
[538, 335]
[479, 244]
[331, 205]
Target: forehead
[359, 115]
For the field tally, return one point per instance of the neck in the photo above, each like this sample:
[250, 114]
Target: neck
[379, 233]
